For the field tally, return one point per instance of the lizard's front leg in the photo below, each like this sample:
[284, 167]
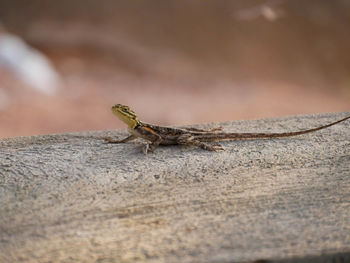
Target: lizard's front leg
[188, 139]
[111, 140]
[150, 147]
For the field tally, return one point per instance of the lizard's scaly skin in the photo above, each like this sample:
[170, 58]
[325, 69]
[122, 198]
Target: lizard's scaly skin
[158, 135]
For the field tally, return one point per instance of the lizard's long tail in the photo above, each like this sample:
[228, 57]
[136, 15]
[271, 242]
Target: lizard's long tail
[247, 136]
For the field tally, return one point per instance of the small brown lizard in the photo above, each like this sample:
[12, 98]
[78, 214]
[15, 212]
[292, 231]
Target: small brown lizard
[158, 135]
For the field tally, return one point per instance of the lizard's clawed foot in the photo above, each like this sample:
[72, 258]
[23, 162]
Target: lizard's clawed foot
[147, 149]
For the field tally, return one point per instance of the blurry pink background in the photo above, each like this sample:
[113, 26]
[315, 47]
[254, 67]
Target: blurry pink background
[173, 62]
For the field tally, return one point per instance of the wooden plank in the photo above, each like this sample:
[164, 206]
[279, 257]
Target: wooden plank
[71, 197]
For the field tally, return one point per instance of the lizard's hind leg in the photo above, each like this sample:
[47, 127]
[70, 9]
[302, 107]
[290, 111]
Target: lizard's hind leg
[188, 139]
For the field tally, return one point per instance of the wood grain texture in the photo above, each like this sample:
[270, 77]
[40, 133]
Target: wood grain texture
[73, 198]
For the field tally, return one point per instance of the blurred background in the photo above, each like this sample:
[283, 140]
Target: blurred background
[63, 64]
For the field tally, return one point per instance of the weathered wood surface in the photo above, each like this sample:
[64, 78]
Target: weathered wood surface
[72, 198]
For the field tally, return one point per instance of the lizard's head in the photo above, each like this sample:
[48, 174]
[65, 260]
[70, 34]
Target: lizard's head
[126, 115]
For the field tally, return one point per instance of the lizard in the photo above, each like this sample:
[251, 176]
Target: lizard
[158, 135]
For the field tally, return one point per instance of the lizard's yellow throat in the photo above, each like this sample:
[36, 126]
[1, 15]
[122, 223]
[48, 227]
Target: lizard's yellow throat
[126, 115]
